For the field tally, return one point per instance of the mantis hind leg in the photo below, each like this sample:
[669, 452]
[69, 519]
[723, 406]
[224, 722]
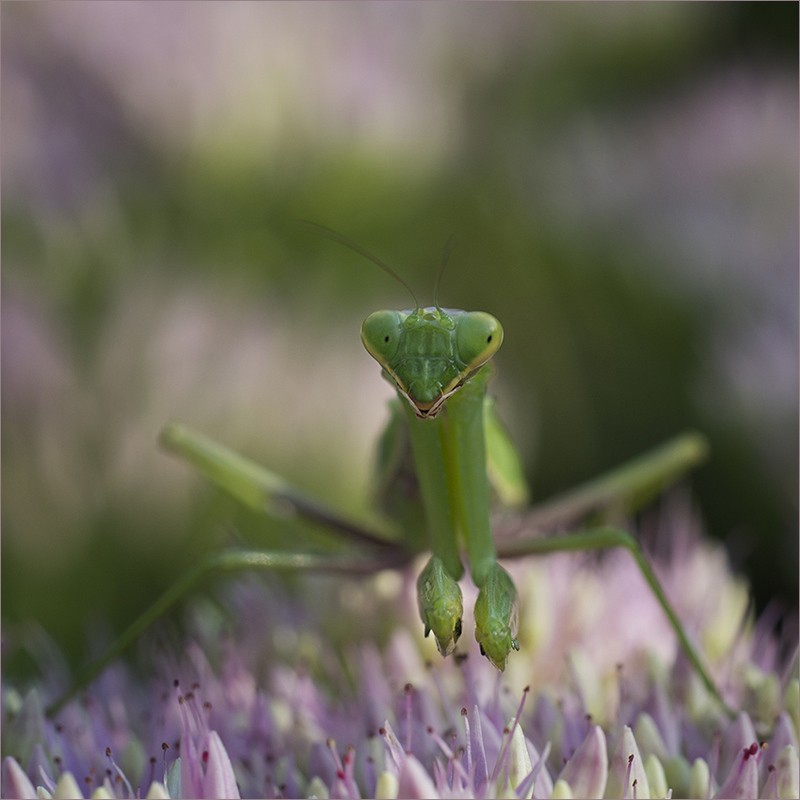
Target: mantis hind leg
[605, 537]
[218, 563]
[262, 491]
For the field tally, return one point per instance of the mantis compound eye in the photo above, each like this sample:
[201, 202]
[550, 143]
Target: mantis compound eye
[380, 334]
[478, 337]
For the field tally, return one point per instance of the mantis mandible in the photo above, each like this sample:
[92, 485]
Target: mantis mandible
[442, 457]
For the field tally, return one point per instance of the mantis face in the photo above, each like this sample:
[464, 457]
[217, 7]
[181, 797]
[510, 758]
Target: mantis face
[429, 353]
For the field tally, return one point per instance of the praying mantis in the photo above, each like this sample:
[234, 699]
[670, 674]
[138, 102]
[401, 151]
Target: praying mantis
[442, 460]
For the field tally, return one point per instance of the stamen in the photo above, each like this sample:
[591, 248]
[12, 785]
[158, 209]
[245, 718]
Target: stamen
[449, 754]
[525, 786]
[628, 776]
[337, 761]
[348, 761]
[120, 774]
[503, 754]
[408, 689]
[467, 738]
[393, 743]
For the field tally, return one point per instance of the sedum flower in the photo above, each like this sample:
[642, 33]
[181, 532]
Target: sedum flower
[278, 699]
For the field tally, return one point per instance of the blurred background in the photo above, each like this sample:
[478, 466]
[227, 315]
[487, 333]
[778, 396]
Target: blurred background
[621, 180]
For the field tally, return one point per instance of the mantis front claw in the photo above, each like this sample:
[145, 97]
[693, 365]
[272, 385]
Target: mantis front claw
[441, 608]
[496, 616]
[440, 605]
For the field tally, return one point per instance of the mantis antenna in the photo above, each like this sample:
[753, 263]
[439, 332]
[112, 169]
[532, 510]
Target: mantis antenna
[448, 248]
[328, 233]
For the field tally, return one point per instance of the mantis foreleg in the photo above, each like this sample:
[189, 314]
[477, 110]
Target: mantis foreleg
[496, 605]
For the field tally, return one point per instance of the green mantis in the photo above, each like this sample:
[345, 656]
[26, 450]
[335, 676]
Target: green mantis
[442, 458]
[438, 362]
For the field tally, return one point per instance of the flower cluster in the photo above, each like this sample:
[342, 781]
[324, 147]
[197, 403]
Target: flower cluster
[269, 699]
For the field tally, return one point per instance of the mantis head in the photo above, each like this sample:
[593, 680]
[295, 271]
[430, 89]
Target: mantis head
[429, 353]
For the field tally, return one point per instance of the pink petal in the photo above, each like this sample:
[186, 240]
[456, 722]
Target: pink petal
[626, 777]
[219, 779]
[191, 769]
[587, 771]
[414, 783]
[16, 785]
[742, 780]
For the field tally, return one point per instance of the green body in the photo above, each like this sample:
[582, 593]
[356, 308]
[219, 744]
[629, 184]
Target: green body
[451, 443]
